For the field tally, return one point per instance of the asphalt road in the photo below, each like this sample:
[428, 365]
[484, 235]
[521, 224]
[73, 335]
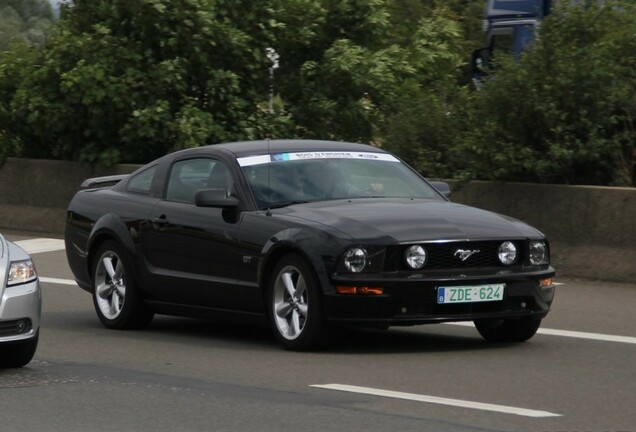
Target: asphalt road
[578, 374]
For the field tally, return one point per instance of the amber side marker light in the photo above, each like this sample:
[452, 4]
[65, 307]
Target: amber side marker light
[544, 283]
[359, 290]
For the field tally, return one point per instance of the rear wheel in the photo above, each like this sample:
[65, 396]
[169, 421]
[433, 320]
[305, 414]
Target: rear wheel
[117, 300]
[18, 354]
[294, 305]
[508, 330]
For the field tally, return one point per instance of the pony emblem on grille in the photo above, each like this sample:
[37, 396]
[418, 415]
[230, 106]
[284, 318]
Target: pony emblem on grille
[465, 254]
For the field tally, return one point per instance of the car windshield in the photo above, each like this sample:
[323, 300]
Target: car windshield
[280, 180]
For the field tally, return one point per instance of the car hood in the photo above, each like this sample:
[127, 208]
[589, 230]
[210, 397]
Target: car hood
[407, 220]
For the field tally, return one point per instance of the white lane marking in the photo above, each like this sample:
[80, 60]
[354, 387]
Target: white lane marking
[590, 336]
[437, 400]
[40, 245]
[58, 281]
[571, 334]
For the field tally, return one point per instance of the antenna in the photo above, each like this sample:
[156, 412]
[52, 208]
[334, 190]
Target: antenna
[268, 212]
[273, 57]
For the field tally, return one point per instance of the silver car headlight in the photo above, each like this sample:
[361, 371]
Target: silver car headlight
[21, 272]
[415, 257]
[539, 253]
[507, 253]
[355, 260]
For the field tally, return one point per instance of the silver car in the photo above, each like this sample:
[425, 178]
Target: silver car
[20, 306]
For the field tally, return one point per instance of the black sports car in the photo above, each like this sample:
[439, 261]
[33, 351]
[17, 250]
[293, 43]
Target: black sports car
[310, 235]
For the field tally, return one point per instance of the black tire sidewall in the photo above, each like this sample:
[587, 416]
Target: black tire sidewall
[508, 330]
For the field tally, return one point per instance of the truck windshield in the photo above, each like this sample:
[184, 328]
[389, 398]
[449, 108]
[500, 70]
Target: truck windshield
[512, 40]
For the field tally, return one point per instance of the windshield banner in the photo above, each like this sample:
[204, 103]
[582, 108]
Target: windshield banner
[283, 157]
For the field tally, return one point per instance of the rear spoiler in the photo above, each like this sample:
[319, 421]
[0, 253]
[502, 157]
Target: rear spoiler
[102, 181]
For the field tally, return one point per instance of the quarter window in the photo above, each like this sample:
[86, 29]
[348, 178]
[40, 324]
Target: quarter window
[142, 182]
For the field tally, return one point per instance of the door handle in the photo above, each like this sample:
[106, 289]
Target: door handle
[161, 220]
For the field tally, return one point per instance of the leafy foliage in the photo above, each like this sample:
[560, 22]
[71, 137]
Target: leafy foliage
[25, 20]
[127, 81]
[348, 73]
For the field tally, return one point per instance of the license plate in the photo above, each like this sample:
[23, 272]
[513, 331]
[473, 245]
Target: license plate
[470, 294]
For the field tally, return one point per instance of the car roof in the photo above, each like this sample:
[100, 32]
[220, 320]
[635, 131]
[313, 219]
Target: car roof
[253, 148]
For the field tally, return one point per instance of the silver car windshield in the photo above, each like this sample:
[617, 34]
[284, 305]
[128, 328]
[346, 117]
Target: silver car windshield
[278, 183]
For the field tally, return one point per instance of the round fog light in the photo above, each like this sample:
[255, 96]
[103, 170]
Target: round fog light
[507, 253]
[415, 257]
[355, 260]
[22, 326]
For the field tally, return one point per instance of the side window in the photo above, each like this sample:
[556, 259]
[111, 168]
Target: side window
[142, 182]
[190, 175]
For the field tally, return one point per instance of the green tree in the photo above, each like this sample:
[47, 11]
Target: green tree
[129, 81]
[565, 112]
[27, 20]
[347, 72]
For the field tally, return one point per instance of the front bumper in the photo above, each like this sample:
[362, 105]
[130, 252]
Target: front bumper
[412, 302]
[20, 310]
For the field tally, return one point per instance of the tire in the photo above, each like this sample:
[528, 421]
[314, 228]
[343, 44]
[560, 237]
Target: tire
[117, 300]
[294, 305]
[508, 330]
[18, 354]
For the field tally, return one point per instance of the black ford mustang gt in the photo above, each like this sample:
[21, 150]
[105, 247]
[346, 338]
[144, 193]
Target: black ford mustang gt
[311, 235]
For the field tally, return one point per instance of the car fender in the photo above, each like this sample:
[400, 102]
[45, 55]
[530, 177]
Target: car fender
[313, 246]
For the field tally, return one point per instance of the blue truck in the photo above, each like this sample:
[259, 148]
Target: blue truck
[511, 24]
[510, 27]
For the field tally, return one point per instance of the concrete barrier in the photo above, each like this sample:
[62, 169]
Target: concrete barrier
[34, 194]
[592, 229]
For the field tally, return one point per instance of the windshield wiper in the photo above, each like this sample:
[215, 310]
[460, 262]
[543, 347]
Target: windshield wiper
[284, 204]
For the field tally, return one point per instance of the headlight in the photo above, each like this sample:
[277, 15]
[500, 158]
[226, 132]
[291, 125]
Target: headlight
[507, 253]
[21, 272]
[355, 260]
[538, 253]
[415, 257]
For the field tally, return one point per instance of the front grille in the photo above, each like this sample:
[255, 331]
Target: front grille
[445, 255]
[15, 327]
[442, 256]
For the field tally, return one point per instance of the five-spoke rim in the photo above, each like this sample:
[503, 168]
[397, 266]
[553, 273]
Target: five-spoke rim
[110, 285]
[290, 302]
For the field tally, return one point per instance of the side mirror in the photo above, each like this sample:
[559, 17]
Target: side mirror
[442, 187]
[214, 198]
[479, 65]
[481, 60]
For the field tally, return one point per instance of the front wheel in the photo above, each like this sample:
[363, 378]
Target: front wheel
[117, 301]
[508, 330]
[294, 305]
